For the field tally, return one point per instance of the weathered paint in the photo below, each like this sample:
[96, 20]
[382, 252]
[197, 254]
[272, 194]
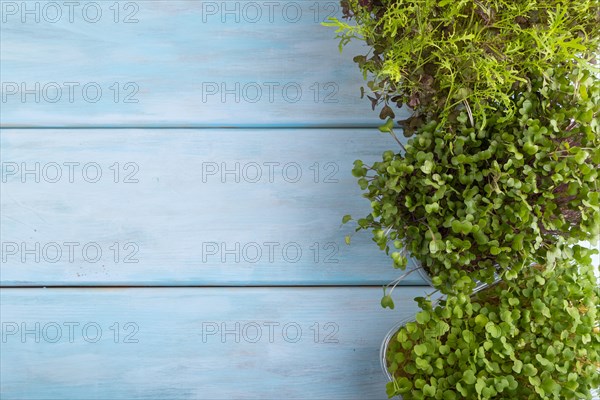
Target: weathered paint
[324, 343]
[169, 63]
[183, 63]
[190, 207]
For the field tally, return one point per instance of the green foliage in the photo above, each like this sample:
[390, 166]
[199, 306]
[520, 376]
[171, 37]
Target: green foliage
[436, 56]
[504, 342]
[499, 176]
[483, 201]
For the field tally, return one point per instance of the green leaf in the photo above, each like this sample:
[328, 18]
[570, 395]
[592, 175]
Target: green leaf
[539, 307]
[434, 247]
[347, 239]
[517, 242]
[456, 226]
[550, 386]
[469, 377]
[388, 126]
[543, 361]
[458, 311]
[429, 390]
[481, 320]
[468, 336]
[420, 349]
[530, 148]
[399, 357]
[464, 227]
[411, 327]
[423, 317]
[404, 385]
[493, 330]
[527, 105]
[581, 156]
[359, 170]
[583, 92]
[517, 366]
[479, 386]
[346, 218]
[402, 336]
[440, 328]
[587, 116]
[387, 302]
[444, 349]
[536, 382]
[363, 183]
[501, 384]
[427, 167]
[432, 208]
[422, 364]
[390, 389]
[529, 370]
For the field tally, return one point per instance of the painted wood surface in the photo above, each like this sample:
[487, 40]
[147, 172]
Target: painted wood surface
[309, 344]
[187, 207]
[147, 63]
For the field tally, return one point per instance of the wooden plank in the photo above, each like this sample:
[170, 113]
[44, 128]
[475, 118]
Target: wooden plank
[186, 207]
[177, 63]
[324, 343]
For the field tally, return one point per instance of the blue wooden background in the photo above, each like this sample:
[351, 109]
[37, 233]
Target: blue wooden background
[174, 174]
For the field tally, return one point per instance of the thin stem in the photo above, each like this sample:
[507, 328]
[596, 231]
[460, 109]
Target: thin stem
[400, 279]
[397, 140]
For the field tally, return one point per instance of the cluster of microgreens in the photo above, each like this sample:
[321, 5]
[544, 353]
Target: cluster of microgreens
[479, 202]
[438, 55]
[498, 182]
[535, 338]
